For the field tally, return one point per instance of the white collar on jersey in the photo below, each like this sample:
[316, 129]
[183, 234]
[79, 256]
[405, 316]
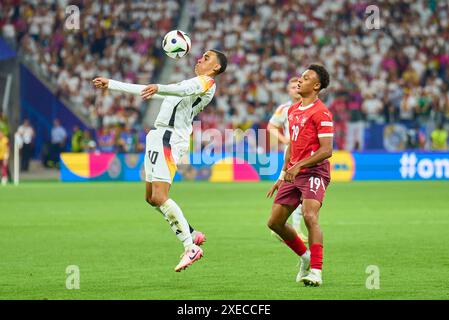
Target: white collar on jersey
[307, 106]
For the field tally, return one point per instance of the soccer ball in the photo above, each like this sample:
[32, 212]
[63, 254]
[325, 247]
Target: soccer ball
[176, 44]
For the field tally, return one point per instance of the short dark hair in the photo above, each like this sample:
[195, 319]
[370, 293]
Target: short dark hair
[222, 60]
[322, 73]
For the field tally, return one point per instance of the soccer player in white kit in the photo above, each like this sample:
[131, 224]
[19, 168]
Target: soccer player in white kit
[169, 141]
[278, 121]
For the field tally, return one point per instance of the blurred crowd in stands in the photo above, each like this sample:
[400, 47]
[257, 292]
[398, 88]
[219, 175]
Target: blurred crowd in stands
[115, 39]
[396, 76]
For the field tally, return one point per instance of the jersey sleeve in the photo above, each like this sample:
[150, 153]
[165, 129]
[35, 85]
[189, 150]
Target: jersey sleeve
[195, 86]
[135, 89]
[125, 87]
[324, 124]
[279, 116]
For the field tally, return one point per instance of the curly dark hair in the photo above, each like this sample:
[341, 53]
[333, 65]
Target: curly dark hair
[322, 73]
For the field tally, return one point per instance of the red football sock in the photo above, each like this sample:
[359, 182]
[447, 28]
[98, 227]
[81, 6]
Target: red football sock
[297, 245]
[4, 169]
[316, 256]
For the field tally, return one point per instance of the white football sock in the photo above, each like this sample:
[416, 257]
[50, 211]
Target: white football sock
[306, 255]
[296, 218]
[191, 229]
[178, 223]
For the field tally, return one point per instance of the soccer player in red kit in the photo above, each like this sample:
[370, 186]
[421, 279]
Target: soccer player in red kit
[305, 174]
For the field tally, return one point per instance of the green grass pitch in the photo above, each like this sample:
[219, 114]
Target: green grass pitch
[126, 250]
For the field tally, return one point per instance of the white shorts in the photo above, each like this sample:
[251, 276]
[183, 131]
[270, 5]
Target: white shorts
[162, 154]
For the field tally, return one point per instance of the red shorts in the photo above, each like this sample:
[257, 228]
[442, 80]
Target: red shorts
[305, 186]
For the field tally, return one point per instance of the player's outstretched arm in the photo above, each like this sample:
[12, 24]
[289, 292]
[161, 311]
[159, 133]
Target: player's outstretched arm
[101, 83]
[136, 89]
[104, 83]
[194, 86]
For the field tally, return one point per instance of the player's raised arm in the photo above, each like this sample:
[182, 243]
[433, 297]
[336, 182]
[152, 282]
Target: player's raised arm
[194, 86]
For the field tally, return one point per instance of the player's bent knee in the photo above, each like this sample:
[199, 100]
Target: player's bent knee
[148, 200]
[273, 225]
[158, 200]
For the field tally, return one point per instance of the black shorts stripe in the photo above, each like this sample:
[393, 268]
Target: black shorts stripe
[166, 139]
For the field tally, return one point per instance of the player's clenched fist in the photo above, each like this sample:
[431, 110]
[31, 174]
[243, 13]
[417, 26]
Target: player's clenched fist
[101, 83]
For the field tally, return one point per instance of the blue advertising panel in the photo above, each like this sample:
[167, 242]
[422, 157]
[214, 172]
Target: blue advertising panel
[345, 166]
[402, 166]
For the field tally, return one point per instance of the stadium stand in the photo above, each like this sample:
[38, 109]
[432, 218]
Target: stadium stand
[116, 40]
[396, 76]
[391, 82]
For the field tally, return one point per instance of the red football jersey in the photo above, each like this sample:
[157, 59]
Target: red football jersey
[306, 125]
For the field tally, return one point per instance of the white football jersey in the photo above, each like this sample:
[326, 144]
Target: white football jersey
[182, 102]
[280, 118]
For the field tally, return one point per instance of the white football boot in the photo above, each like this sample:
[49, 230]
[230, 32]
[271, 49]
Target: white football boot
[304, 265]
[313, 278]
